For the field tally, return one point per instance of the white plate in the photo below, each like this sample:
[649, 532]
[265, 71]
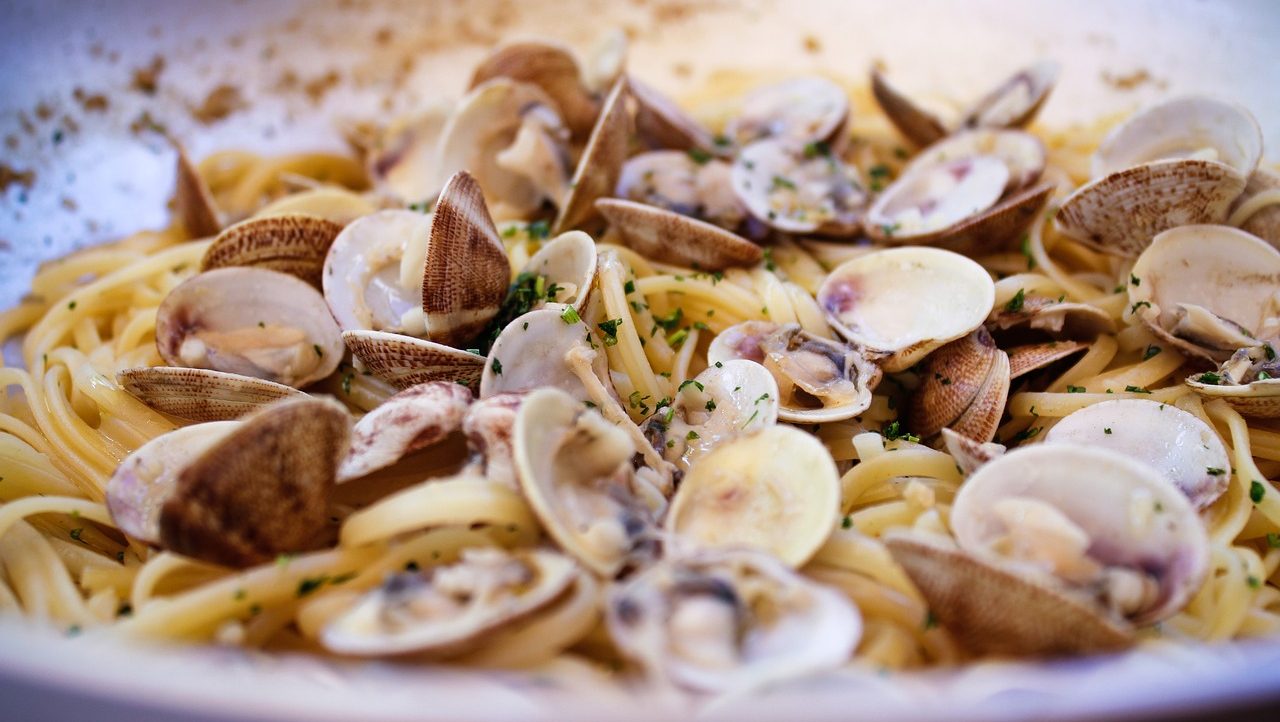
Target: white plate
[96, 180]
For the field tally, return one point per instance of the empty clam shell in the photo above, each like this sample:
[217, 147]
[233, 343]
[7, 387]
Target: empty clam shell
[1180, 446]
[249, 321]
[530, 353]
[549, 66]
[818, 380]
[295, 244]
[1208, 290]
[937, 196]
[918, 125]
[970, 454]
[193, 201]
[1249, 381]
[669, 237]
[1090, 511]
[1016, 101]
[808, 109]
[1192, 127]
[1023, 154]
[236, 493]
[984, 232]
[411, 420]
[453, 608]
[1060, 319]
[679, 182]
[201, 394]
[728, 399]
[1032, 357]
[964, 386]
[404, 361]
[575, 470]
[730, 620]
[373, 273]
[799, 189]
[601, 162]
[663, 124]
[901, 303]
[1120, 212]
[776, 490]
[568, 262]
[1262, 221]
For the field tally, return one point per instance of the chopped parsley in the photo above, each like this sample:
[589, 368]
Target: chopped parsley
[1075, 389]
[690, 382]
[1028, 434]
[71, 306]
[1253, 582]
[420, 207]
[894, 432]
[1215, 471]
[497, 366]
[711, 405]
[1015, 304]
[610, 329]
[1134, 308]
[1273, 540]
[677, 339]
[1210, 378]
[539, 229]
[780, 182]
[846, 522]
[630, 287]
[930, 621]
[691, 436]
[671, 320]
[1136, 389]
[769, 265]
[1026, 251]
[699, 156]
[1256, 491]
[816, 148]
[1152, 351]
[1134, 280]
[1107, 430]
[570, 315]
[754, 414]
[75, 534]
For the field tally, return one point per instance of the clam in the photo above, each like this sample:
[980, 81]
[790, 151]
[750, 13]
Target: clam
[568, 263]
[1062, 549]
[1059, 319]
[963, 386]
[1179, 163]
[1012, 104]
[510, 137]
[727, 400]
[799, 188]
[1207, 290]
[451, 609]
[776, 490]
[818, 380]
[1022, 153]
[403, 158]
[1184, 449]
[405, 361]
[970, 454]
[201, 394]
[677, 239]
[331, 203]
[192, 200]
[530, 353]
[574, 469]
[249, 321]
[682, 183]
[601, 162]
[236, 493]
[663, 124]
[489, 424]
[1259, 206]
[552, 68]
[1033, 357]
[1249, 381]
[898, 304]
[730, 620]
[412, 419]
[294, 243]
[808, 109]
[971, 204]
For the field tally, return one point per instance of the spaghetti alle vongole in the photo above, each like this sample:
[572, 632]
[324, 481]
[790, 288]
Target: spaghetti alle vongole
[762, 399]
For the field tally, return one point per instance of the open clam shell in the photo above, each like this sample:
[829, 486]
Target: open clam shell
[193, 201]
[970, 454]
[575, 470]
[1023, 154]
[531, 351]
[1016, 101]
[489, 426]
[552, 68]
[405, 361]
[402, 159]
[730, 620]
[669, 237]
[809, 109]
[1192, 127]
[920, 126]
[901, 303]
[663, 124]
[373, 272]
[799, 188]
[1262, 221]
[601, 162]
[1249, 381]
[776, 490]
[818, 380]
[1033, 357]
[569, 263]
[1208, 290]
[1180, 446]
[1059, 319]
[236, 493]
[677, 181]
[451, 609]
[963, 385]
[294, 243]
[249, 321]
[411, 420]
[201, 394]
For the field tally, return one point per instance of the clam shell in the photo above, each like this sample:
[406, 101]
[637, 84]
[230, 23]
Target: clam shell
[242, 320]
[901, 303]
[669, 237]
[569, 261]
[295, 244]
[1032, 357]
[1263, 223]
[992, 610]
[1060, 319]
[1022, 153]
[261, 490]
[1260, 399]
[960, 387]
[193, 201]
[549, 66]
[364, 283]
[918, 125]
[201, 394]
[1121, 212]
[338, 205]
[411, 420]
[1184, 449]
[776, 490]
[797, 189]
[405, 361]
[1181, 128]
[601, 162]
[678, 182]
[969, 454]
[663, 124]
[808, 109]
[404, 159]
[530, 353]
[727, 400]
[466, 271]
[1016, 101]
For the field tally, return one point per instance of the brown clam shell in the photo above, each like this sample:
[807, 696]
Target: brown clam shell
[982, 233]
[1059, 319]
[294, 243]
[1033, 357]
[405, 361]
[963, 385]
[918, 125]
[202, 394]
[663, 124]
[192, 199]
[550, 67]
[673, 238]
[601, 162]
